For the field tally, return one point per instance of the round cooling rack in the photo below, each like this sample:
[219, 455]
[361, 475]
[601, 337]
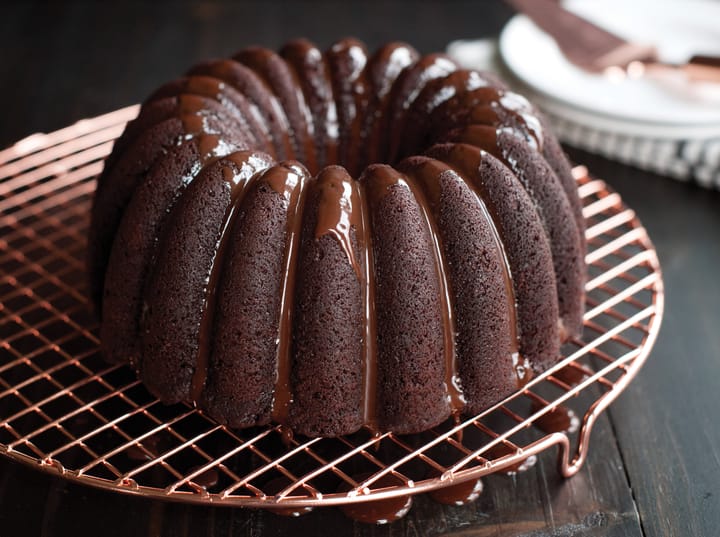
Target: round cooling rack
[64, 410]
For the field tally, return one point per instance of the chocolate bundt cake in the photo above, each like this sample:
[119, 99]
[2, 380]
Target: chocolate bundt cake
[336, 240]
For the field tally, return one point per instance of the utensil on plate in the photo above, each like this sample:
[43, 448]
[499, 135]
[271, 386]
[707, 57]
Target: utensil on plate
[595, 49]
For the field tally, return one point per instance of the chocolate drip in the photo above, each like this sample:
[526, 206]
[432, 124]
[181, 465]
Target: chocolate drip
[339, 210]
[241, 167]
[456, 399]
[370, 419]
[287, 179]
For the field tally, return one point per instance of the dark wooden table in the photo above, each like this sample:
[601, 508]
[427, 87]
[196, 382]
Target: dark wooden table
[654, 464]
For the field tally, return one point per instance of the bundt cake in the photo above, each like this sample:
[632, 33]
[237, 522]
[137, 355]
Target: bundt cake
[336, 240]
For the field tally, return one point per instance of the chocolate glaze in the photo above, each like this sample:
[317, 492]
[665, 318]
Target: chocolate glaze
[491, 106]
[403, 94]
[314, 77]
[408, 320]
[264, 104]
[282, 80]
[234, 102]
[347, 60]
[460, 494]
[382, 71]
[339, 210]
[433, 95]
[287, 180]
[370, 418]
[377, 511]
[160, 109]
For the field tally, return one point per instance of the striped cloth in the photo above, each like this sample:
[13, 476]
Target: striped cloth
[672, 155]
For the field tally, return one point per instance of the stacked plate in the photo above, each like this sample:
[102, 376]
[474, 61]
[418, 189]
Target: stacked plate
[666, 124]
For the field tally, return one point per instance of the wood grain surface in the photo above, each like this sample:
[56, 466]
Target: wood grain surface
[654, 463]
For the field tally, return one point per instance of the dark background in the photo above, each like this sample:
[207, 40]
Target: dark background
[654, 466]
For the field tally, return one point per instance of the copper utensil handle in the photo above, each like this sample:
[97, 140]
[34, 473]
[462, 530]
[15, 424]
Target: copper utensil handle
[699, 68]
[703, 68]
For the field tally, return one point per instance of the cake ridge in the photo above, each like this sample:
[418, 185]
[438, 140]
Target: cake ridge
[277, 74]
[550, 201]
[542, 345]
[445, 186]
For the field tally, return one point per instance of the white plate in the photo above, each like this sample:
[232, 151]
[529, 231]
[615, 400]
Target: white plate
[679, 28]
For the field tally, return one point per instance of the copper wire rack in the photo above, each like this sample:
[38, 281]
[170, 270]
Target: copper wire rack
[64, 410]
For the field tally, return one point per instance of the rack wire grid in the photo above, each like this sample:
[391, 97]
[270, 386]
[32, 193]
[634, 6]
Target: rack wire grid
[64, 410]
